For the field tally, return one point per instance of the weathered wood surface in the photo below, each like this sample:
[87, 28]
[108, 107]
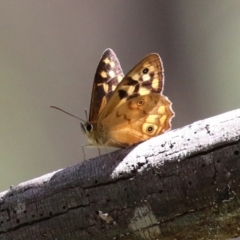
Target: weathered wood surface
[180, 185]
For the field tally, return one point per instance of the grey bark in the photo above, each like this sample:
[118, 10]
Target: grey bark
[181, 185]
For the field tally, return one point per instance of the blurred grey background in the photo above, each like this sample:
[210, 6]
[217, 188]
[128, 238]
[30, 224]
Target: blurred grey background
[49, 51]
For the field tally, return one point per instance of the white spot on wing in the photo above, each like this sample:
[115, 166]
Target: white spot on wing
[155, 83]
[146, 77]
[105, 88]
[112, 64]
[103, 74]
[111, 73]
[106, 60]
[120, 78]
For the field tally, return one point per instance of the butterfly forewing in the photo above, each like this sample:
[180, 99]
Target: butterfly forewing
[145, 78]
[108, 75]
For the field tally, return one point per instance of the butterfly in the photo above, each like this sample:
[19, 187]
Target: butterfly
[129, 109]
[126, 110]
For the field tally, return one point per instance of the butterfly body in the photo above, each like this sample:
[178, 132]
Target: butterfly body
[127, 110]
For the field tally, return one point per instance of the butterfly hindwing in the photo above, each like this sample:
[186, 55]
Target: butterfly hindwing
[139, 119]
[108, 75]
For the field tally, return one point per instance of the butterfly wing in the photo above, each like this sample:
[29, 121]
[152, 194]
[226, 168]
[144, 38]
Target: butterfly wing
[137, 109]
[139, 119]
[145, 78]
[108, 75]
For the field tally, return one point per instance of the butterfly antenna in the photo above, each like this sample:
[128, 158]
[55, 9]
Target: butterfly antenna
[86, 114]
[67, 113]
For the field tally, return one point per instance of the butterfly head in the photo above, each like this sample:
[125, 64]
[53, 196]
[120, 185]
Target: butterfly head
[88, 129]
[86, 126]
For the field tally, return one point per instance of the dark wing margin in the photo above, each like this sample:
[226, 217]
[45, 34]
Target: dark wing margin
[108, 75]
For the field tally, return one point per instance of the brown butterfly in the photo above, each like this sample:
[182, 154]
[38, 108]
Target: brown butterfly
[131, 109]
[127, 110]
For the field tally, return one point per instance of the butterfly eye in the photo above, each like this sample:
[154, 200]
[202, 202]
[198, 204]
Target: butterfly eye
[145, 70]
[140, 102]
[89, 127]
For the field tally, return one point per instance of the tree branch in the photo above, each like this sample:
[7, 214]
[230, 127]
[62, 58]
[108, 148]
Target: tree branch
[181, 185]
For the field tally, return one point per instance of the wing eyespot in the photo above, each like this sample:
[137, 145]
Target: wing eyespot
[145, 70]
[150, 129]
[140, 102]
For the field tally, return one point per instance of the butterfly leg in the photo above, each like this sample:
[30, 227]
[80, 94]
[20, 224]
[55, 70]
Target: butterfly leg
[99, 152]
[83, 146]
[84, 155]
